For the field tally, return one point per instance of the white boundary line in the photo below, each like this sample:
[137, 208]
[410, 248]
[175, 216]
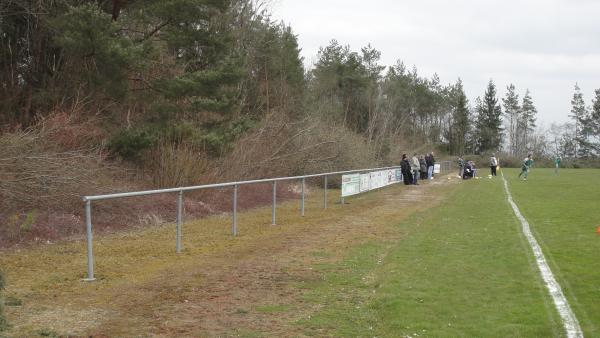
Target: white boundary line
[562, 305]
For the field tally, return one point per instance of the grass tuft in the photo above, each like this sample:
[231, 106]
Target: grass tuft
[3, 322]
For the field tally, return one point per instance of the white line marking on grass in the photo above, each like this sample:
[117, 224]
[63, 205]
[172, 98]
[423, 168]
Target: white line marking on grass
[568, 317]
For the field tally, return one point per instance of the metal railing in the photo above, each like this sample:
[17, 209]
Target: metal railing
[179, 221]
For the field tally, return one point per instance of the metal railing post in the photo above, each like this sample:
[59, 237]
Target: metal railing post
[302, 208]
[325, 193]
[179, 220]
[234, 225]
[90, 250]
[274, 202]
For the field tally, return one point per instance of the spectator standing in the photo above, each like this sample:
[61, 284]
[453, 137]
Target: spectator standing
[493, 164]
[415, 167]
[405, 168]
[556, 164]
[423, 167]
[461, 167]
[430, 164]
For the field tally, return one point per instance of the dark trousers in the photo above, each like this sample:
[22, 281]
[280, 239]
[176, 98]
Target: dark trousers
[493, 168]
[415, 177]
[407, 177]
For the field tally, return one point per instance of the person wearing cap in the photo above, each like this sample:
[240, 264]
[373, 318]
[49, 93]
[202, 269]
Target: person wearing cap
[493, 164]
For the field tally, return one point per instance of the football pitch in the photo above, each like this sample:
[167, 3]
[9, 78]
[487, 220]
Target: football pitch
[465, 268]
[447, 258]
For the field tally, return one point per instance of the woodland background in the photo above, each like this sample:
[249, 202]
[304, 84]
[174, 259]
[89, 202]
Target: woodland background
[102, 96]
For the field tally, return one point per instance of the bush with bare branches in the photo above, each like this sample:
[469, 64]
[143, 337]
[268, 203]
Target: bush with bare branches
[281, 146]
[48, 165]
[176, 165]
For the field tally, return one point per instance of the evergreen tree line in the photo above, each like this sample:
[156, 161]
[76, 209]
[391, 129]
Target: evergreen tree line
[581, 139]
[205, 72]
[200, 70]
[397, 103]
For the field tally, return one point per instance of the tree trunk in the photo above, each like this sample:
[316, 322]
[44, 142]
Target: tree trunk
[116, 9]
[32, 76]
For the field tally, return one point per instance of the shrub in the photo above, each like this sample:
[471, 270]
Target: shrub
[281, 146]
[175, 165]
[34, 172]
[220, 139]
[130, 143]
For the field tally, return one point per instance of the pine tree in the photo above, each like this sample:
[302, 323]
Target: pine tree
[489, 121]
[341, 77]
[527, 121]
[512, 111]
[594, 123]
[579, 114]
[459, 128]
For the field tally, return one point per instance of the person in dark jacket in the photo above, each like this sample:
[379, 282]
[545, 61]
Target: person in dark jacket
[405, 168]
[430, 164]
[423, 167]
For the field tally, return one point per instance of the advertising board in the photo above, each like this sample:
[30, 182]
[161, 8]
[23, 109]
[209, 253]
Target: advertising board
[357, 183]
[350, 185]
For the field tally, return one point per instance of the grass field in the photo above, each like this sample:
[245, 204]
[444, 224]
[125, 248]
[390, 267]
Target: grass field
[442, 259]
[564, 212]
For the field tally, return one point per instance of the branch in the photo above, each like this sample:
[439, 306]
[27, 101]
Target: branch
[154, 31]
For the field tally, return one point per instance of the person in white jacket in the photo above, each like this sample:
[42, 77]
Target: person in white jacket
[415, 166]
[493, 164]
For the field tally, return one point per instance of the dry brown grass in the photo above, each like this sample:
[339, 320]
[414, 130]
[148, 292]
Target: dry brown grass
[219, 286]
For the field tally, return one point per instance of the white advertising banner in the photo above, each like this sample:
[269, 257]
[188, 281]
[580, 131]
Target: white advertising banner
[375, 180]
[365, 182]
[350, 184]
[357, 183]
[437, 168]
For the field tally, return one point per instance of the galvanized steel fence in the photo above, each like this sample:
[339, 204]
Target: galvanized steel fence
[179, 221]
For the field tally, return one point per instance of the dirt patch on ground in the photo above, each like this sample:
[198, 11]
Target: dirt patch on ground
[255, 287]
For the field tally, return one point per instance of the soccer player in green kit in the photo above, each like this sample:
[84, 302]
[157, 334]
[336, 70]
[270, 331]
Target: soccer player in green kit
[527, 163]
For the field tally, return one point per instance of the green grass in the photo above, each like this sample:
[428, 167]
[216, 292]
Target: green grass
[3, 322]
[386, 267]
[461, 269]
[564, 213]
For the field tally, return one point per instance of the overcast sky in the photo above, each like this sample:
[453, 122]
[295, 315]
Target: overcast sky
[543, 45]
